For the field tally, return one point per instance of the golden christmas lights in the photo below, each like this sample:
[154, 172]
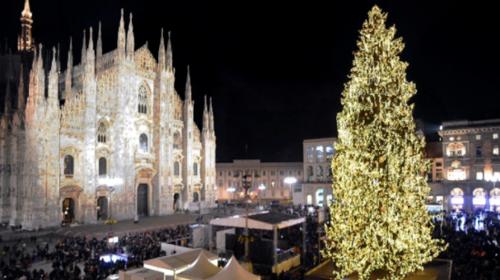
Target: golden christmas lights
[379, 220]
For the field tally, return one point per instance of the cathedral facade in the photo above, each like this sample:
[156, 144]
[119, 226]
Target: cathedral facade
[107, 138]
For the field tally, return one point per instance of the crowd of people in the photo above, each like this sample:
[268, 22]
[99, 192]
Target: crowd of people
[473, 245]
[71, 253]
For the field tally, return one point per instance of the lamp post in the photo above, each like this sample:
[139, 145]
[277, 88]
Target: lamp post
[262, 187]
[247, 184]
[290, 181]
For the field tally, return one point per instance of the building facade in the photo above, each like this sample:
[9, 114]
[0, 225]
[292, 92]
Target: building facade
[109, 137]
[471, 165]
[275, 179]
[317, 184]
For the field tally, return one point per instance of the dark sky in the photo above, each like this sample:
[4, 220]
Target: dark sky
[276, 71]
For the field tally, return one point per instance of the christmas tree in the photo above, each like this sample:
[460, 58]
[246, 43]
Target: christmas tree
[379, 220]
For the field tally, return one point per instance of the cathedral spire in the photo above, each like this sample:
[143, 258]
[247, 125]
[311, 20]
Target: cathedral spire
[20, 95]
[58, 57]
[161, 53]
[187, 93]
[90, 63]
[99, 43]
[121, 37]
[69, 70]
[169, 54]
[211, 116]
[25, 40]
[84, 48]
[130, 39]
[53, 95]
[205, 116]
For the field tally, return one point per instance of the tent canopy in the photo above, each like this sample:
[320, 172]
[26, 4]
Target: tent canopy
[234, 270]
[202, 268]
[263, 221]
[177, 263]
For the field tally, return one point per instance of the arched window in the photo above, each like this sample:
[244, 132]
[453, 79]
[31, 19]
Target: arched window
[177, 141]
[177, 169]
[101, 133]
[142, 106]
[195, 169]
[69, 165]
[320, 197]
[455, 149]
[479, 197]
[143, 143]
[103, 169]
[457, 198]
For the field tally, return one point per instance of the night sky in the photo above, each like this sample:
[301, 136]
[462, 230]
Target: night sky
[276, 71]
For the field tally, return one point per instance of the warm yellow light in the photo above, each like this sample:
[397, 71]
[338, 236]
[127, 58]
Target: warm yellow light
[379, 220]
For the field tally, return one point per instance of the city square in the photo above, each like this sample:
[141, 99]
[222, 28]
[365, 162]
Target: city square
[189, 141]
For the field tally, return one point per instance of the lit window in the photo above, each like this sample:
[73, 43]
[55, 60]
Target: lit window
[495, 150]
[439, 199]
[452, 138]
[479, 175]
[329, 152]
[478, 136]
[456, 173]
[495, 135]
[319, 153]
[496, 175]
[459, 138]
[455, 149]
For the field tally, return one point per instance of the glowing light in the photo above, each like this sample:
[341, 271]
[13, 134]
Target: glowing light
[290, 180]
[262, 187]
[479, 200]
[457, 200]
[376, 140]
[231, 189]
[110, 181]
[495, 201]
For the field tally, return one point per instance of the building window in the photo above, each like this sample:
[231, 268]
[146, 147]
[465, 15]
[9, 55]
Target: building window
[495, 150]
[143, 100]
[101, 133]
[220, 173]
[479, 175]
[69, 165]
[282, 173]
[319, 171]
[479, 152]
[263, 173]
[478, 136]
[177, 169]
[455, 149]
[439, 164]
[456, 172]
[229, 173]
[177, 141]
[195, 169]
[272, 173]
[103, 170]
[495, 135]
[310, 154]
[143, 143]
[319, 153]
[329, 152]
[452, 138]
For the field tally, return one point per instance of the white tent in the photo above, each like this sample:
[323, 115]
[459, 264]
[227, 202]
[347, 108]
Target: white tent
[202, 268]
[233, 271]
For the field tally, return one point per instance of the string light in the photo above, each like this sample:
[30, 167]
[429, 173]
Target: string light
[379, 220]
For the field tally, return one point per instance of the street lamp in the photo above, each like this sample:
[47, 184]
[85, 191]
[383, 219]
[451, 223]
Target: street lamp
[247, 184]
[290, 181]
[262, 188]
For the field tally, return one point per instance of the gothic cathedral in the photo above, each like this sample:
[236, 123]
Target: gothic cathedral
[108, 138]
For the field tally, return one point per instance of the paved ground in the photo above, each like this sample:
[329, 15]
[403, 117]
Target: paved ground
[120, 228]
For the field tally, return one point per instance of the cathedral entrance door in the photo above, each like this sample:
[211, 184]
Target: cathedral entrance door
[102, 210]
[176, 201]
[68, 208]
[142, 200]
